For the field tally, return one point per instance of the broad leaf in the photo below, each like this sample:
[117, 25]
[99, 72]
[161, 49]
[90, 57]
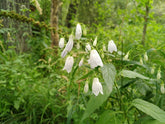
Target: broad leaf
[108, 72]
[132, 74]
[148, 120]
[150, 109]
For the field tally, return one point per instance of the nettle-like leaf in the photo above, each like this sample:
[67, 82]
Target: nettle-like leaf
[108, 72]
[132, 74]
[150, 109]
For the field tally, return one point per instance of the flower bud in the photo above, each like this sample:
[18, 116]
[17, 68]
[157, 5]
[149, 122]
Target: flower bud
[61, 43]
[126, 56]
[159, 74]
[78, 32]
[86, 87]
[104, 48]
[81, 62]
[162, 88]
[87, 47]
[145, 56]
[95, 41]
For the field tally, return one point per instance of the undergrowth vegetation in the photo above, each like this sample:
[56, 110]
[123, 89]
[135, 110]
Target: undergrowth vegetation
[101, 72]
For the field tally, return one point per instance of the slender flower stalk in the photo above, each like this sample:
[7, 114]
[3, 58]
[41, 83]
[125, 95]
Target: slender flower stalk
[112, 46]
[95, 59]
[78, 33]
[61, 43]
[68, 64]
[97, 87]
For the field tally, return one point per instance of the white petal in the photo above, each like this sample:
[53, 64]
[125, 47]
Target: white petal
[61, 43]
[69, 45]
[95, 59]
[68, 64]
[162, 88]
[111, 46]
[81, 62]
[78, 32]
[64, 52]
[145, 57]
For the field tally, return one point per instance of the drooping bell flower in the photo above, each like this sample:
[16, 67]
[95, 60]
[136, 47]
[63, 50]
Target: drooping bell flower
[78, 32]
[112, 46]
[97, 87]
[81, 62]
[87, 47]
[68, 64]
[61, 43]
[95, 59]
[145, 56]
[86, 87]
[68, 47]
[95, 41]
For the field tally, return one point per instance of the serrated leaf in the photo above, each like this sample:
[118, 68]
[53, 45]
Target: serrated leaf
[108, 72]
[150, 109]
[132, 74]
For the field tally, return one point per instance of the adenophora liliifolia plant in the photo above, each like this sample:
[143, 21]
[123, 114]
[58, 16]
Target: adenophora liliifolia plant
[90, 57]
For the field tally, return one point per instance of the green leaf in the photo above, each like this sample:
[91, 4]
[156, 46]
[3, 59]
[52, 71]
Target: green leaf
[150, 109]
[108, 72]
[132, 74]
[108, 117]
[148, 120]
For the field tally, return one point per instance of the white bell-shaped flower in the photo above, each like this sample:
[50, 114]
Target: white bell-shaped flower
[104, 48]
[68, 47]
[95, 41]
[112, 46]
[68, 64]
[78, 32]
[61, 43]
[81, 62]
[95, 59]
[86, 87]
[162, 88]
[97, 87]
[87, 47]
[145, 57]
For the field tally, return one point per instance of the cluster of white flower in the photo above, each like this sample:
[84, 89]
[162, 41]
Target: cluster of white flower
[94, 58]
